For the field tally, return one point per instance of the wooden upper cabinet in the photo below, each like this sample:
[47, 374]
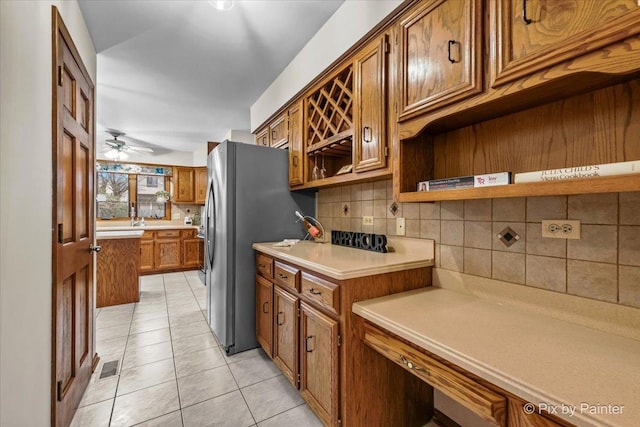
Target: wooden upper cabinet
[370, 140]
[278, 131]
[262, 138]
[201, 185]
[296, 122]
[441, 47]
[536, 34]
[183, 185]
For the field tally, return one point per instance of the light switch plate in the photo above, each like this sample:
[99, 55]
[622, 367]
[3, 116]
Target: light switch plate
[400, 230]
[561, 228]
[176, 215]
[367, 220]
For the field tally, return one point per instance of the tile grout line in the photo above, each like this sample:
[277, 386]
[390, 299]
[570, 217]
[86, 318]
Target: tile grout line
[175, 368]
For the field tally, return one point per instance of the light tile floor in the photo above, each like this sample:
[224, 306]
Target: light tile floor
[172, 372]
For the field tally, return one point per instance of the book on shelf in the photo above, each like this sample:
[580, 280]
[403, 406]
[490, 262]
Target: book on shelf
[579, 172]
[471, 181]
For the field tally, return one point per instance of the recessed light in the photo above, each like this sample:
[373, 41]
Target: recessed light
[221, 4]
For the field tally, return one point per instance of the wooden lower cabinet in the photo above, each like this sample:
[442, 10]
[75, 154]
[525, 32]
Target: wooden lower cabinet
[117, 268]
[191, 253]
[167, 252]
[163, 251]
[319, 341]
[146, 255]
[285, 333]
[264, 316]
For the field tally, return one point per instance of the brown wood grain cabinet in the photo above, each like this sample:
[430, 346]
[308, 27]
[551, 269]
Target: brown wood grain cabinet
[279, 132]
[317, 346]
[191, 255]
[201, 179]
[167, 253]
[262, 137]
[146, 252]
[183, 185]
[163, 251]
[441, 51]
[296, 156]
[117, 272]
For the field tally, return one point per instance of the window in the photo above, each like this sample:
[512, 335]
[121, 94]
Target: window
[112, 195]
[117, 191]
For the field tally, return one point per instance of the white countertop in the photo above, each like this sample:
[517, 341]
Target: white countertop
[146, 227]
[534, 356]
[342, 263]
[119, 234]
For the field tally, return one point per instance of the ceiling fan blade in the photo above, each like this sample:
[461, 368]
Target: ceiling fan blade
[139, 149]
[113, 143]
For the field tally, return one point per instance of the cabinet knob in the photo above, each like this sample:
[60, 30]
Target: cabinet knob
[366, 134]
[449, 44]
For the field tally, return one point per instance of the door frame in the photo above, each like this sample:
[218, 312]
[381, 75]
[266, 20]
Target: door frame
[58, 27]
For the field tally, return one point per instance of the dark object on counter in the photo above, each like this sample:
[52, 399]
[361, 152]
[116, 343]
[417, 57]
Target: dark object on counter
[367, 241]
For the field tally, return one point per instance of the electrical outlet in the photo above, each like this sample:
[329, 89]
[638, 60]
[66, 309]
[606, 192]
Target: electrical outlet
[561, 228]
[367, 220]
[176, 215]
[400, 230]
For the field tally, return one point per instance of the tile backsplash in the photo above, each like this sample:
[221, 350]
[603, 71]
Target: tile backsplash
[604, 264]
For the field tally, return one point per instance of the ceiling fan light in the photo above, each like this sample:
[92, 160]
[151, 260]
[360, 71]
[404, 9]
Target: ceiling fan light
[221, 4]
[111, 154]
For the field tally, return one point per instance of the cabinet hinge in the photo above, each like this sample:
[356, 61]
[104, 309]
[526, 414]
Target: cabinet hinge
[386, 151]
[60, 75]
[339, 340]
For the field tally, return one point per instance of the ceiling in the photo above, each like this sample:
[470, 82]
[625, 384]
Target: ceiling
[175, 74]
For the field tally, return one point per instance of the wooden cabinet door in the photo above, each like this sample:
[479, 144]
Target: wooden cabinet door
[319, 363]
[296, 123]
[184, 185]
[535, 34]
[167, 253]
[191, 252]
[146, 255]
[278, 131]
[285, 333]
[264, 313]
[440, 43]
[201, 185]
[370, 140]
[263, 138]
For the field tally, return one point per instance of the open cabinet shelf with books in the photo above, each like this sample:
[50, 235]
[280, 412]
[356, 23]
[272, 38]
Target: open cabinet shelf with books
[594, 128]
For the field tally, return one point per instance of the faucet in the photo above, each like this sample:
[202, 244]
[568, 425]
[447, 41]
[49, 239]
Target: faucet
[133, 215]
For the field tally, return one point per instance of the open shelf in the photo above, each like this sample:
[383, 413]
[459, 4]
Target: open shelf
[339, 145]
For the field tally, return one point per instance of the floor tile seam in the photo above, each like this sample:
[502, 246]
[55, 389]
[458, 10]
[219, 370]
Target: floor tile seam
[280, 374]
[280, 413]
[175, 367]
[195, 351]
[175, 378]
[144, 364]
[212, 398]
[238, 361]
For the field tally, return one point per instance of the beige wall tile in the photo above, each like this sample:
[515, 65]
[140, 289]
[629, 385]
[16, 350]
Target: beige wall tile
[356, 209]
[326, 222]
[336, 211]
[547, 273]
[389, 189]
[437, 255]
[399, 212]
[380, 190]
[430, 229]
[430, 210]
[508, 267]
[451, 209]
[547, 207]
[452, 257]
[538, 245]
[477, 234]
[594, 208]
[511, 209]
[592, 280]
[629, 245]
[411, 210]
[629, 292]
[356, 192]
[367, 228]
[597, 243]
[452, 233]
[367, 191]
[477, 262]
[379, 208]
[367, 208]
[413, 227]
[518, 227]
[324, 209]
[345, 209]
[477, 210]
[391, 227]
[630, 208]
[355, 224]
[346, 193]
[380, 225]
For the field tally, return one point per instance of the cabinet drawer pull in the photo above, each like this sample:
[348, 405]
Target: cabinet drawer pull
[261, 265]
[295, 160]
[409, 364]
[278, 322]
[283, 276]
[449, 44]
[366, 134]
[265, 307]
[306, 344]
[526, 20]
[314, 292]
[273, 134]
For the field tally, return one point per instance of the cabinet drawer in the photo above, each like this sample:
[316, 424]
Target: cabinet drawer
[147, 235]
[319, 291]
[264, 266]
[189, 233]
[161, 234]
[469, 393]
[287, 276]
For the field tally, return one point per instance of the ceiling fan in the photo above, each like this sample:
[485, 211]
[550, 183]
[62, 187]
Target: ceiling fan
[117, 149]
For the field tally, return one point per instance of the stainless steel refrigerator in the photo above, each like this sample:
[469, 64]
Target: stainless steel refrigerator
[248, 200]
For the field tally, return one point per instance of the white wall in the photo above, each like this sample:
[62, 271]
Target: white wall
[345, 27]
[240, 136]
[25, 203]
[177, 158]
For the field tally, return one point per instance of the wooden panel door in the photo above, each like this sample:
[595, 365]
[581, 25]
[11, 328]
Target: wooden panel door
[535, 34]
[370, 141]
[167, 253]
[264, 313]
[191, 252]
[285, 333]
[279, 132]
[296, 123]
[146, 255]
[319, 363]
[184, 185]
[440, 42]
[73, 228]
[263, 137]
[201, 185]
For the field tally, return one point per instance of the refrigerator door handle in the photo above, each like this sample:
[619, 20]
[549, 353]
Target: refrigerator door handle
[211, 224]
